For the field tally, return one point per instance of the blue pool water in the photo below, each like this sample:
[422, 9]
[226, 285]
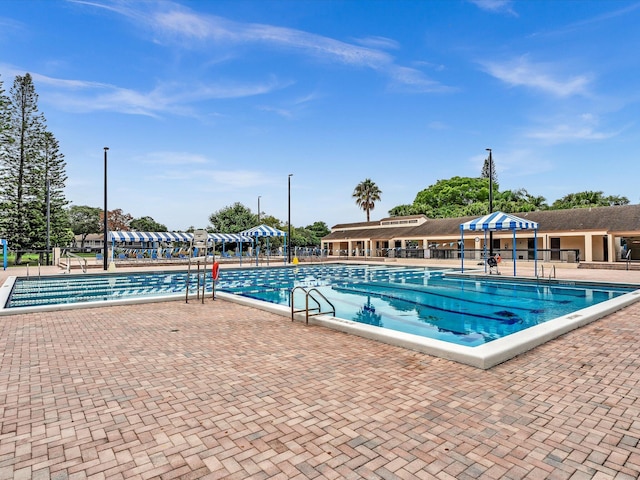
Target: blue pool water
[417, 300]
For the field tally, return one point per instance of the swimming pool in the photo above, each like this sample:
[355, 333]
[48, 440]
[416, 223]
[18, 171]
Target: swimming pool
[405, 303]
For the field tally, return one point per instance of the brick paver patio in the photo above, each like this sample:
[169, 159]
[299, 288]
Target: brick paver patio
[175, 390]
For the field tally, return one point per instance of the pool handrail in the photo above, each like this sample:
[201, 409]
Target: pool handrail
[73, 255]
[308, 294]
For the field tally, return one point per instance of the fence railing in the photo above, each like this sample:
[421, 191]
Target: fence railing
[568, 255]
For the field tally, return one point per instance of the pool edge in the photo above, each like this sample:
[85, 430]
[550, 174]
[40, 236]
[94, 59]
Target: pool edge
[483, 356]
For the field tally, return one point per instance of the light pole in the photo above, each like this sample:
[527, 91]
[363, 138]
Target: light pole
[490, 200]
[48, 195]
[105, 226]
[258, 209]
[289, 223]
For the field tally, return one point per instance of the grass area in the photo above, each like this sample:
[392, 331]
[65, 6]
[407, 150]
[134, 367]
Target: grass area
[30, 259]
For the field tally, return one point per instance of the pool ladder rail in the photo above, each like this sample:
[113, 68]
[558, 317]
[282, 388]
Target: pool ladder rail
[552, 272]
[308, 294]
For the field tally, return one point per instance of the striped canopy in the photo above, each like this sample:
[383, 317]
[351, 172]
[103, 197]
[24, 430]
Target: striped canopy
[263, 231]
[499, 221]
[150, 236]
[175, 237]
[228, 237]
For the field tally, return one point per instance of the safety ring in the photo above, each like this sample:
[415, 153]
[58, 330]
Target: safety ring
[215, 271]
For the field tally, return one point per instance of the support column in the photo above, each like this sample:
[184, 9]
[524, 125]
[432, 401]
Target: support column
[588, 248]
[611, 247]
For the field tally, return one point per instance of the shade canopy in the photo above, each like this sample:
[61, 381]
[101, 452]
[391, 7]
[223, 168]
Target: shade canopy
[228, 238]
[119, 236]
[497, 221]
[263, 231]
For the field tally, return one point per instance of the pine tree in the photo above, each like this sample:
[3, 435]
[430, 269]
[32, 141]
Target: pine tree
[51, 178]
[4, 142]
[485, 170]
[28, 154]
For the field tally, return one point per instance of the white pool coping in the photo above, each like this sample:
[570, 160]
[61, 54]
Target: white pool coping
[483, 356]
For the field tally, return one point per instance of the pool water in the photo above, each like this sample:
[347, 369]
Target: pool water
[418, 300]
[461, 310]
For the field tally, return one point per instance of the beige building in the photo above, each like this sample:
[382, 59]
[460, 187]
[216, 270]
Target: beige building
[604, 234]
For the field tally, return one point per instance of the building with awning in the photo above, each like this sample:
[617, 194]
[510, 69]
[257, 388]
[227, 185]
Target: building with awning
[597, 234]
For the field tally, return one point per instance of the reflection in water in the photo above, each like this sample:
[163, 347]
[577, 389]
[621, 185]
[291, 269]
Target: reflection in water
[367, 314]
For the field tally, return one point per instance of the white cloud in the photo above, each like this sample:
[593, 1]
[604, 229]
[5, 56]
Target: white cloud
[562, 133]
[174, 23]
[378, 42]
[87, 96]
[538, 76]
[580, 128]
[497, 6]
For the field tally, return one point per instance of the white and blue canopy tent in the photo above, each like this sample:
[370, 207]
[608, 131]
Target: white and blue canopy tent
[265, 231]
[496, 222]
[4, 253]
[225, 238]
[121, 236]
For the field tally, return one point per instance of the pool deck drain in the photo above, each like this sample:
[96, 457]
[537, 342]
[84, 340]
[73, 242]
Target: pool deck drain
[240, 393]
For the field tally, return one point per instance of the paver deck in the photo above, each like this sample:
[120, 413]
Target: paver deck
[220, 390]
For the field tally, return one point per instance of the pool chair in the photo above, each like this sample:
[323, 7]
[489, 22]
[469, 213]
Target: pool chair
[492, 262]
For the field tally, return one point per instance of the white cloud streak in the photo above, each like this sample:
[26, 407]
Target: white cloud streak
[86, 96]
[521, 72]
[496, 6]
[582, 128]
[174, 23]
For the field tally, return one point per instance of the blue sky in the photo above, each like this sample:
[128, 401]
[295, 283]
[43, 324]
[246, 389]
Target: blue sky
[207, 103]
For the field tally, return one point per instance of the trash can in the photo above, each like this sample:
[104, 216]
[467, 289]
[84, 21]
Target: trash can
[571, 256]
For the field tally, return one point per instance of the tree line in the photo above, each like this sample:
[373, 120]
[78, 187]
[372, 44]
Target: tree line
[468, 196]
[235, 218]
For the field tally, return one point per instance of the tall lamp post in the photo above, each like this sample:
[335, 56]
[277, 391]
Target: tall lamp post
[490, 200]
[48, 196]
[289, 223]
[105, 226]
[258, 209]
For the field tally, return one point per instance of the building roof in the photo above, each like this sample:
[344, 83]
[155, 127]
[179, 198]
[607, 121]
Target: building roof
[622, 218]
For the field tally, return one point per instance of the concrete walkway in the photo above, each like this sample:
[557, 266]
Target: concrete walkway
[220, 390]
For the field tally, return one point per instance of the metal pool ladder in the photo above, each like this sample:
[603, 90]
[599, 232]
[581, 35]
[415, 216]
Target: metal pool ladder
[309, 294]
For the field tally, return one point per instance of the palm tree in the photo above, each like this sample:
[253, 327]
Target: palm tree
[366, 194]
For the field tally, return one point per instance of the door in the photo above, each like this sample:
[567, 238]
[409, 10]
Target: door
[555, 248]
[531, 248]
